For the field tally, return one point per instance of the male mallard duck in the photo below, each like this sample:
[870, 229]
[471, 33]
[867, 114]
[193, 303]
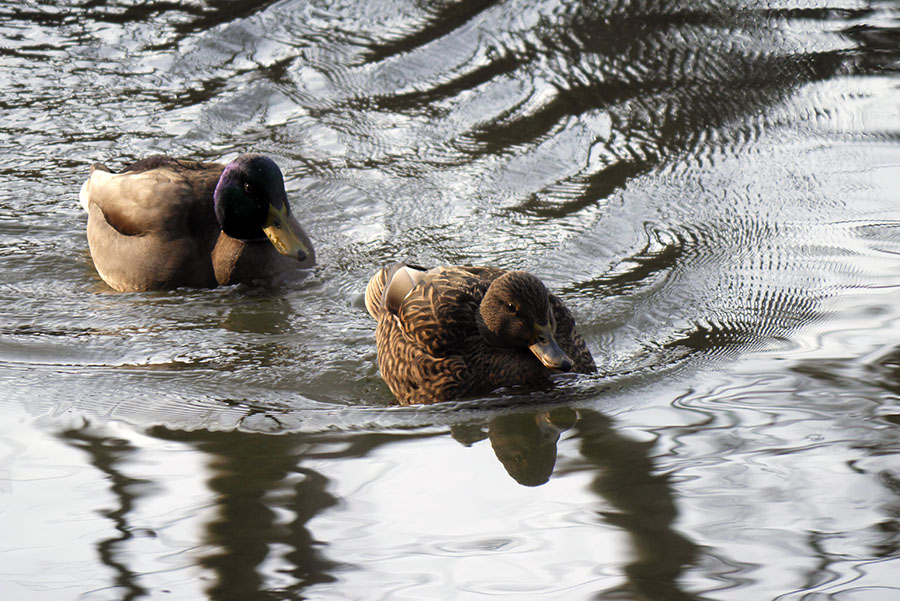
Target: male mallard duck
[163, 223]
[451, 332]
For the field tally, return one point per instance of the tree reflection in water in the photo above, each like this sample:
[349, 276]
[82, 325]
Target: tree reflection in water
[107, 455]
[258, 478]
[644, 508]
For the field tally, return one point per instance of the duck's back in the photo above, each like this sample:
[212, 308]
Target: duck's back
[156, 194]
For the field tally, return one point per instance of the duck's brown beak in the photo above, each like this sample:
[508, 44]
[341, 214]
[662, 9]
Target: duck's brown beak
[280, 231]
[547, 351]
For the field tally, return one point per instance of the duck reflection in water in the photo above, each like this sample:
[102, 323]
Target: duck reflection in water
[524, 442]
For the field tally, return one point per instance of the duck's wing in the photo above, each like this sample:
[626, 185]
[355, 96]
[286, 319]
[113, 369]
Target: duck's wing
[569, 339]
[155, 195]
[438, 312]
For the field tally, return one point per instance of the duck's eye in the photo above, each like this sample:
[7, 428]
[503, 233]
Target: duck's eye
[248, 188]
[512, 308]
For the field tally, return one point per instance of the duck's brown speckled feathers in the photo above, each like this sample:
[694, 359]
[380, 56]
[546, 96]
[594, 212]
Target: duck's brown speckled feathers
[431, 347]
[153, 226]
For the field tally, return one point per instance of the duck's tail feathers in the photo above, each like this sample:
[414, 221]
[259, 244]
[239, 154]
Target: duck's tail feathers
[375, 291]
[390, 285]
[85, 194]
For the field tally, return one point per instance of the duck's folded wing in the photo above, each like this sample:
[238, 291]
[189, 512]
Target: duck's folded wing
[142, 202]
[439, 312]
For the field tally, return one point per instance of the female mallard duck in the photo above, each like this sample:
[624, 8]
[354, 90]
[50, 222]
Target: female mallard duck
[163, 223]
[452, 332]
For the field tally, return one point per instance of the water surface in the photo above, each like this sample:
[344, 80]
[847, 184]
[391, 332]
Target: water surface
[712, 188]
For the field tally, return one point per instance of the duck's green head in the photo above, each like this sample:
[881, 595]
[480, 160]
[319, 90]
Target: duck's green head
[251, 204]
[515, 314]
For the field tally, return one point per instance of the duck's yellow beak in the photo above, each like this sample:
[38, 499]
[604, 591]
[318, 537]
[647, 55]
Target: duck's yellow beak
[547, 351]
[281, 233]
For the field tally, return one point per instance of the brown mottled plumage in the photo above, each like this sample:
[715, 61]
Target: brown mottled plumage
[451, 332]
[161, 223]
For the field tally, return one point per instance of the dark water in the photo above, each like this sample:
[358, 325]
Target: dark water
[713, 187]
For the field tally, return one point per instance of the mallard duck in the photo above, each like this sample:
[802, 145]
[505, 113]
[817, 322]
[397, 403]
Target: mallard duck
[452, 332]
[164, 223]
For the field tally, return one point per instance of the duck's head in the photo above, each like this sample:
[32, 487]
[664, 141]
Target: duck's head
[515, 314]
[251, 204]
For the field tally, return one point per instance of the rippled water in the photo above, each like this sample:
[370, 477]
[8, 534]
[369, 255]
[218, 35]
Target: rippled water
[713, 187]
